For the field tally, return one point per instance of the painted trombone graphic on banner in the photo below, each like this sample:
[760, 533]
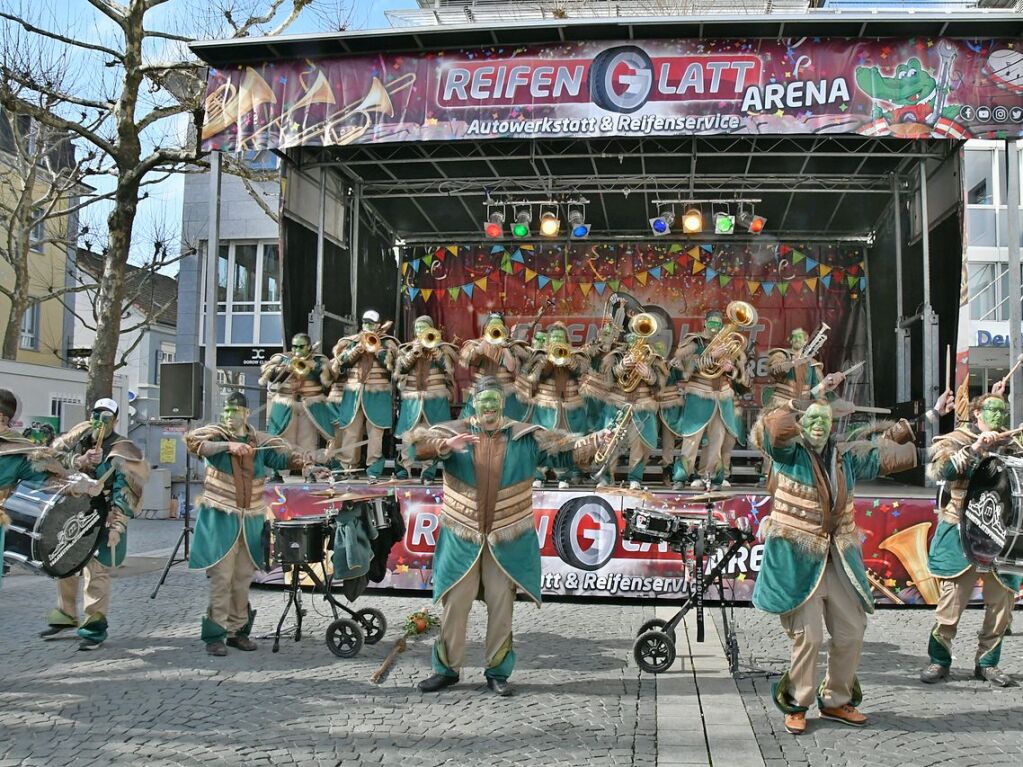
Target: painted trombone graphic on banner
[229, 105]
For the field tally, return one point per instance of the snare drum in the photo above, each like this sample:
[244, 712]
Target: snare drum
[301, 541]
[991, 520]
[52, 530]
[650, 526]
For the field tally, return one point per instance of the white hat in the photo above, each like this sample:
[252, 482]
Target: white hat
[372, 315]
[106, 404]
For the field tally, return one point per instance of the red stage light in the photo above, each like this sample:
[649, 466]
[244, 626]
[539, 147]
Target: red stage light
[493, 230]
[756, 226]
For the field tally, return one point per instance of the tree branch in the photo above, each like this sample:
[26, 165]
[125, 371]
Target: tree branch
[61, 38]
[17, 106]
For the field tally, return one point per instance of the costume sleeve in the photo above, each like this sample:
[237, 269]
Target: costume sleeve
[776, 366]
[326, 375]
[469, 353]
[951, 460]
[205, 441]
[405, 361]
[272, 369]
[781, 430]
[279, 454]
[125, 492]
[564, 449]
[427, 445]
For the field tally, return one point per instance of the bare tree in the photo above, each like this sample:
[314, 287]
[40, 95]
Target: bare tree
[132, 112]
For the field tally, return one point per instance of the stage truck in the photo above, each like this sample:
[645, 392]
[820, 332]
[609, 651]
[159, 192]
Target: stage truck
[588, 171]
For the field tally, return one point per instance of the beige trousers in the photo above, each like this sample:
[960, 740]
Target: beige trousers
[499, 595]
[350, 437]
[954, 596]
[836, 605]
[667, 446]
[710, 457]
[301, 431]
[726, 452]
[96, 577]
[230, 580]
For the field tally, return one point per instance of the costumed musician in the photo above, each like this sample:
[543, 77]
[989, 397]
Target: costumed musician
[361, 394]
[812, 570]
[487, 541]
[670, 402]
[713, 363]
[425, 371]
[493, 354]
[296, 383]
[230, 526]
[98, 451]
[794, 372]
[953, 459]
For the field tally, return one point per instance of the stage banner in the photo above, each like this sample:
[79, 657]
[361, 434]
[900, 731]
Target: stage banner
[790, 284]
[909, 88]
[584, 554]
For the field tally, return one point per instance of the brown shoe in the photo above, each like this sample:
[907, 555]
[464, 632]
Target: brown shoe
[796, 723]
[241, 643]
[845, 714]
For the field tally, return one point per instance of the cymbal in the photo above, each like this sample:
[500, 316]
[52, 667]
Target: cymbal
[704, 497]
[343, 497]
[624, 491]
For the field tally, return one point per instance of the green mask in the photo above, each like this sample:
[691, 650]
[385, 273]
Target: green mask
[489, 406]
[993, 415]
[233, 418]
[299, 347]
[797, 339]
[540, 341]
[713, 324]
[559, 337]
[102, 422]
[421, 327]
[816, 425]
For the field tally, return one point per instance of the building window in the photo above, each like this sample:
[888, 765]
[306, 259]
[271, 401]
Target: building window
[262, 159]
[166, 353]
[248, 276]
[980, 188]
[271, 295]
[30, 328]
[38, 231]
[989, 291]
[244, 277]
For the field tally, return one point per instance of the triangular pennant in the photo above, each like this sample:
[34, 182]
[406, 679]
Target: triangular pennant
[797, 285]
[723, 279]
[428, 260]
[517, 256]
[628, 281]
[675, 248]
[404, 267]
[768, 287]
[810, 264]
[481, 283]
[543, 281]
[527, 248]
[697, 266]
[530, 274]
[826, 281]
[427, 294]
[784, 250]
[468, 288]
[453, 292]
[707, 248]
[600, 287]
[811, 283]
[854, 269]
[693, 252]
[852, 280]
[710, 275]
[517, 267]
[656, 272]
[586, 287]
[863, 283]
[506, 267]
[783, 288]
[670, 267]
[824, 270]
[556, 285]
[412, 293]
[497, 249]
[569, 287]
[797, 256]
[640, 277]
[415, 264]
[753, 285]
[452, 249]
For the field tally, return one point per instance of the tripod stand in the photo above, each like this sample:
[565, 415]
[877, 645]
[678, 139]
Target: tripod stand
[186, 532]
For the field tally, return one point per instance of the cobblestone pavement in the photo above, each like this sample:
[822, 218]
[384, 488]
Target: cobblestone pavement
[151, 696]
[963, 722]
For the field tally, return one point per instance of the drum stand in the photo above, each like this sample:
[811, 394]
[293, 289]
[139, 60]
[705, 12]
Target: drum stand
[295, 599]
[186, 532]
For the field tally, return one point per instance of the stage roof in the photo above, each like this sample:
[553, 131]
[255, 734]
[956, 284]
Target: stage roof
[974, 24]
[811, 187]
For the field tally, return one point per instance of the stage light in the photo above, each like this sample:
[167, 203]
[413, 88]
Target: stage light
[724, 223]
[577, 220]
[521, 226]
[752, 223]
[495, 226]
[692, 221]
[661, 225]
[550, 225]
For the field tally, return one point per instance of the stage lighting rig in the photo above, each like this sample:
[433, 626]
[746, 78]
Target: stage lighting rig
[724, 223]
[692, 221]
[550, 224]
[494, 226]
[523, 218]
[750, 222]
[661, 224]
[577, 220]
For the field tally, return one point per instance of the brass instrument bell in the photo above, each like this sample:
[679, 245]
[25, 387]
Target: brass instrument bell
[301, 366]
[371, 341]
[729, 341]
[430, 338]
[643, 325]
[559, 354]
[495, 334]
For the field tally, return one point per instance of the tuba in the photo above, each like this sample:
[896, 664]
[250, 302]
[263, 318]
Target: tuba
[910, 547]
[729, 341]
[642, 325]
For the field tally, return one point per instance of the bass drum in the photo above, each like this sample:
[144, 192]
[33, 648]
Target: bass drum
[52, 530]
[991, 522]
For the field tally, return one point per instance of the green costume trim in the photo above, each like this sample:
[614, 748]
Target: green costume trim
[855, 700]
[503, 663]
[433, 410]
[945, 557]
[439, 661]
[375, 404]
[698, 412]
[320, 413]
[938, 649]
[216, 533]
[57, 618]
[991, 657]
[780, 694]
[211, 631]
[245, 630]
[95, 628]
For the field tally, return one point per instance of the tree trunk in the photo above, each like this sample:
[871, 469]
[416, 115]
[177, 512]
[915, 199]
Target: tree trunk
[19, 301]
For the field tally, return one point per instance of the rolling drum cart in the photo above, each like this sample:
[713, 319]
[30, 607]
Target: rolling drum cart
[655, 647]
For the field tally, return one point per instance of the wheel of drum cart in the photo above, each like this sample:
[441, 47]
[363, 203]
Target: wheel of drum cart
[345, 638]
[373, 623]
[654, 652]
[656, 624]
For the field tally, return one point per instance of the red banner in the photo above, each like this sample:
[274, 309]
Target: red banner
[911, 88]
[584, 553]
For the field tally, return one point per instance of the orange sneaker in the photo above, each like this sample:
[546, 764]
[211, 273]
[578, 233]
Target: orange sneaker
[796, 723]
[845, 714]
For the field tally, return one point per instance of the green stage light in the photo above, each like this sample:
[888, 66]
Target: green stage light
[724, 223]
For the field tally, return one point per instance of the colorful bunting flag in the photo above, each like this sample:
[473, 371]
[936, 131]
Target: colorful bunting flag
[827, 281]
[412, 293]
[669, 267]
[452, 249]
[753, 285]
[810, 264]
[783, 288]
[468, 288]
[863, 283]
[675, 248]
[656, 272]
[497, 249]
[852, 280]
[641, 277]
[697, 266]
[530, 274]
[542, 281]
[453, 292]
[707, 247]
[797, 256]
[557, 285]
[615, 285]
[428, 260]
[600, 287]
[768, 287]
[824, 270]
[482, 283]
[517, 256]
[710, 275]
[415, 265]
[811, 283]
[585, 287]
[427, 293]
[404, 267]
[724, 279]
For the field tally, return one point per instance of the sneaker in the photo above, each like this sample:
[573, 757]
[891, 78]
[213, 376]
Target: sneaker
[845, 714]
[563, 484]
[55, 632]
[216, 648]
[89, 644]
[634, 485]
[537, 483]
[796, 723]
[995, 675]
[242, 643]
[697, 484]
[934, 673]
[677, 485]
[725, 484]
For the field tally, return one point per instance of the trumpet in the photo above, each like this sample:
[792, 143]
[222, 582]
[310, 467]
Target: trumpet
[371, 341]
[429, 338]
[814, 345]
[559, 354]
[301, 366]
[495, 334]
[728, 342]
[642, 325]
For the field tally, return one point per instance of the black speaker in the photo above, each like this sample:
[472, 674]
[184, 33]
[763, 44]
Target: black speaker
[181, 390]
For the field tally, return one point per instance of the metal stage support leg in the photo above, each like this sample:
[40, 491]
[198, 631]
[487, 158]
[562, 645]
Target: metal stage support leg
[186, 532]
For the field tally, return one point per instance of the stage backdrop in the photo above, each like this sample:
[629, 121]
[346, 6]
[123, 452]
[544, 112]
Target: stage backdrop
[790, 285]
[584, 554]
[910, 88]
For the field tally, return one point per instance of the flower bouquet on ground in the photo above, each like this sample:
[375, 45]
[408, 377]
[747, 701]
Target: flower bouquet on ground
[419, 622]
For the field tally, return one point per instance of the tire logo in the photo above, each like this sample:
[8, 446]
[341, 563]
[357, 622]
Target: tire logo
[621, 79]
[586, 532]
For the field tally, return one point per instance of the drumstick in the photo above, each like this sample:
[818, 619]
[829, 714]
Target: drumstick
[1014, 369]
[948, 366]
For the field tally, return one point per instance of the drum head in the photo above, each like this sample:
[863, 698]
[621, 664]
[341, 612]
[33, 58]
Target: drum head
[69, 532]
[987, 510]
